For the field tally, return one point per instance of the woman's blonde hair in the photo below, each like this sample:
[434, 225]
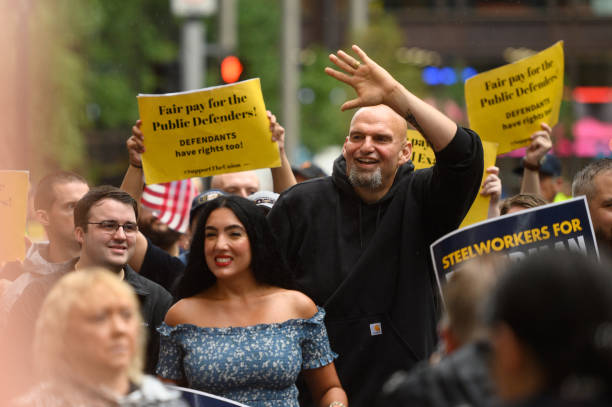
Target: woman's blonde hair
[51, 326]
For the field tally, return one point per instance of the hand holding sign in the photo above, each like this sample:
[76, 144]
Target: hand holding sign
[278, 132]
[205, 132]
[135, 145]
[492, 187]
[540, 145]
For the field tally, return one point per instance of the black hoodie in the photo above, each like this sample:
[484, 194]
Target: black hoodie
[369, 266]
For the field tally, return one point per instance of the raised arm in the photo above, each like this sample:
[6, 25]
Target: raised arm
[282, 177]
[133, 184]
[541, 144]
[492, 187]
[374, 85]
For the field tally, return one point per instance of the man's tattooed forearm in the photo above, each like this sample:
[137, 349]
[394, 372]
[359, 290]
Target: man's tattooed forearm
[412, 120]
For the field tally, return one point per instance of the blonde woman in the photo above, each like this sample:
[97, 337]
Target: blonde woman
[89, 344]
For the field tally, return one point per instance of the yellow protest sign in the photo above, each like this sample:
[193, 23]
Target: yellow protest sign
[423, 157]
[13, 211]
[422, 154]
[480, 207]
[507, 104]
[206, 132]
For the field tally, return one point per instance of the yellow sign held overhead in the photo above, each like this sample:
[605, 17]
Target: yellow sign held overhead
[13, 211]
[423, 157]
[479, 210]
[205, 132]
[507, 104]
[422, 154]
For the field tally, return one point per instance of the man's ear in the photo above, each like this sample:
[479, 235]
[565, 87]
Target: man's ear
[344, 147]
[42, 217]
[405, 153]
[79, 234]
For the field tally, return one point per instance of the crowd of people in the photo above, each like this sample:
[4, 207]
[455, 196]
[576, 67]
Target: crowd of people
[317, 293]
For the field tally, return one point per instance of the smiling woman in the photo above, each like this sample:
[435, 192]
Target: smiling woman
[89, 346]
[239, 330]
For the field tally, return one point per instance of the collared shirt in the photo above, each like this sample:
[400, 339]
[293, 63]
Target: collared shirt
[34, 266]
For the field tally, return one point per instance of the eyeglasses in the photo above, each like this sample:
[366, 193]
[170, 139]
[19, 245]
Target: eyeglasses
[111, 226]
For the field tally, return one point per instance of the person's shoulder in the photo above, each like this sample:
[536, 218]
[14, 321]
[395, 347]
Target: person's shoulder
[299, 304]
[309, 187]
[143, 285]
[306, 196]
[182, 312]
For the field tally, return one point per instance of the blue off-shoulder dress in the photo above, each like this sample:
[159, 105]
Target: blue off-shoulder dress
[256, 365]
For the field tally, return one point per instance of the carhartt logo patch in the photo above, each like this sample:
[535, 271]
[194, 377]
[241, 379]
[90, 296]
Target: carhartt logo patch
[376, 329]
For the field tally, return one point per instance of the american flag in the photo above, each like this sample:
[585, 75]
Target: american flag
[171, 202]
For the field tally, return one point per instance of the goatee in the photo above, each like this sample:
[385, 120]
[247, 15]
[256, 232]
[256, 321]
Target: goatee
[370, 180]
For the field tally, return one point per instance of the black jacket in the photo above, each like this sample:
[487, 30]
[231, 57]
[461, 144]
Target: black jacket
[460, 379]
[369, 264]
[154, 303]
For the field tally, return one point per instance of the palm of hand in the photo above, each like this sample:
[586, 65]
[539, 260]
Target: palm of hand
[372, 84]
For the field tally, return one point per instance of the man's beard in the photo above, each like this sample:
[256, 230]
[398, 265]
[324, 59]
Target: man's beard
[160, 238]
[370, 180]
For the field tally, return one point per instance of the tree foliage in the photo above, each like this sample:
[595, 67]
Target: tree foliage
[322, 122]
[131, 50]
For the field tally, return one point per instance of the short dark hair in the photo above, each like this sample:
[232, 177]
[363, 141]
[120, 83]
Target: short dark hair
[45, 190]
[267, 263]
[583, 180]
[523, 200]
[559, 305]
[96, 194]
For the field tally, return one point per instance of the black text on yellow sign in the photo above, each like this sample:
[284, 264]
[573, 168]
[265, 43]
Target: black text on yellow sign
[206, 132]
[507, 104]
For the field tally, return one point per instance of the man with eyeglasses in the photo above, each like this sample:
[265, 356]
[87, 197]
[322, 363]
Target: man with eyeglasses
[105, 227]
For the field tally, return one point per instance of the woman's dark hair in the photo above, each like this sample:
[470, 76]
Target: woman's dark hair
[559, 305]
[267, 263]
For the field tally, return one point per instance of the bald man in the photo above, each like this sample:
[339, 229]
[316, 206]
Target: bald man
[242, 183]
[359, 240]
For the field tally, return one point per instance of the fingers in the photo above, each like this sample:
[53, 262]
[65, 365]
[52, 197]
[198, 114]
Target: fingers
[361, 53]
[136, 141]
[540, 140]
[278, 133]
[539, 133]
[491, 186]
[350, 63]
[350, 104]
[341, 76]
[545, 132]
[546, 128]
[135, 144]
[493, 170]
[271, 118]
[136, 130]
[341, 63]
[276, 129]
